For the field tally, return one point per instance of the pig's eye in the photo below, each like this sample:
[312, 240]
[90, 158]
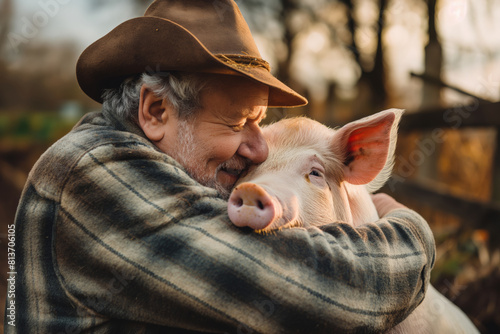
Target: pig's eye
[315, 173]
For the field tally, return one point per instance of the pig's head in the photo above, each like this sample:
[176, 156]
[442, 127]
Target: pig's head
[315, 175]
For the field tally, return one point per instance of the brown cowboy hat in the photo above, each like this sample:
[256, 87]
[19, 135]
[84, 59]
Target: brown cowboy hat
[208, 36]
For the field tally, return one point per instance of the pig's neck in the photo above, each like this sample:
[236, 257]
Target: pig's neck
[360, 203]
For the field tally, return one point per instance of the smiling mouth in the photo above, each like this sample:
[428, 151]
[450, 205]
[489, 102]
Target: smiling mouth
[232, 171]
[235, 167]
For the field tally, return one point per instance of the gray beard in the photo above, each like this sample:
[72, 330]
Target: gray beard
[185, 156]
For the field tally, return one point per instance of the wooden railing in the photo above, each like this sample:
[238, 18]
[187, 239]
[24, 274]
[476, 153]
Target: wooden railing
[476, 214]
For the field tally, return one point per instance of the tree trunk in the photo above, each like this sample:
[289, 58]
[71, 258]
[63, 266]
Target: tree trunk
[351, 25]
[284, 66]
[5, 17]
[376, 77]
[431, 96]
[372, 91]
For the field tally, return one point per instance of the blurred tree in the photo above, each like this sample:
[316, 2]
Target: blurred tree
[376, 77]
[5, 18]
[41, 78]
[433, 61]
[288, 22]
[351, 25]
[140, 5]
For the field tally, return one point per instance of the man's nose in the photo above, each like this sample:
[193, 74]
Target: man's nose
[254, 146]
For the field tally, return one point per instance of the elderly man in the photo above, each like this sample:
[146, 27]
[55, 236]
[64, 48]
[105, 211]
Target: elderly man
[122, 226]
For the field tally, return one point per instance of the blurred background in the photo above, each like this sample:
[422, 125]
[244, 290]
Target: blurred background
[438, 59]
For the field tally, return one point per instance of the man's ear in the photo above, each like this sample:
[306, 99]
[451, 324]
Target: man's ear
[153, 115]
[366, 147]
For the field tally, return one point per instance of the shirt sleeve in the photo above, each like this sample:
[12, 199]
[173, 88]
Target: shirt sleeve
[137, 239]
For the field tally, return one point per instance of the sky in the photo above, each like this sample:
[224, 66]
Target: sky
[469, 31]
[67, 19]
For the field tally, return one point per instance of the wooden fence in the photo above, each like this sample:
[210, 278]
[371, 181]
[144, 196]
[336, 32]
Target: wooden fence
[477, 214]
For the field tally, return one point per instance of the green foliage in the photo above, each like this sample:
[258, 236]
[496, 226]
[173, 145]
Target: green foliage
[25, 128]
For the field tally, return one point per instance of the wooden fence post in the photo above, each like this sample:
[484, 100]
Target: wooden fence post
[495, 195]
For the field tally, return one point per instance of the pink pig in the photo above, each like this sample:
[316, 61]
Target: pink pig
[315, 175]
[302, 181]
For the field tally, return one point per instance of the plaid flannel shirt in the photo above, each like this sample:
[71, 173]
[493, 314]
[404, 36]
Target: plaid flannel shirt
[114, 237]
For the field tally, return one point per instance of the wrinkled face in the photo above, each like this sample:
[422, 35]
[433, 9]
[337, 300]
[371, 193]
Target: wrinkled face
[224, 137]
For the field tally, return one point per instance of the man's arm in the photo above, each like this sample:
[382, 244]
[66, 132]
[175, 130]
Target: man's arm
[137, 239]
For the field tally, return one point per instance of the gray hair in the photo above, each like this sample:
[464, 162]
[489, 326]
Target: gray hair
[182, 90]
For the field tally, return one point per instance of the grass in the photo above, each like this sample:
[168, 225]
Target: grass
[22, 129]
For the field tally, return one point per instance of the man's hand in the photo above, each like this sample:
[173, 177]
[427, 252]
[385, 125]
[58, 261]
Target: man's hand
[385, 203]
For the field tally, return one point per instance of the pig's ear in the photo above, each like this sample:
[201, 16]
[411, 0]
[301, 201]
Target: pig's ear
[366, 148]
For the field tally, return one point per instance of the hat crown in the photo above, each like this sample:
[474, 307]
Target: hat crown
[201, 36]
[219, 24]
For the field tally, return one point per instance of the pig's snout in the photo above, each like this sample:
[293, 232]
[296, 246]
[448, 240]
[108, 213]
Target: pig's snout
[250, 205]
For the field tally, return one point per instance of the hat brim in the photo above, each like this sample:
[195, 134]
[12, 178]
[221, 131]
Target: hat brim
[120, 55]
